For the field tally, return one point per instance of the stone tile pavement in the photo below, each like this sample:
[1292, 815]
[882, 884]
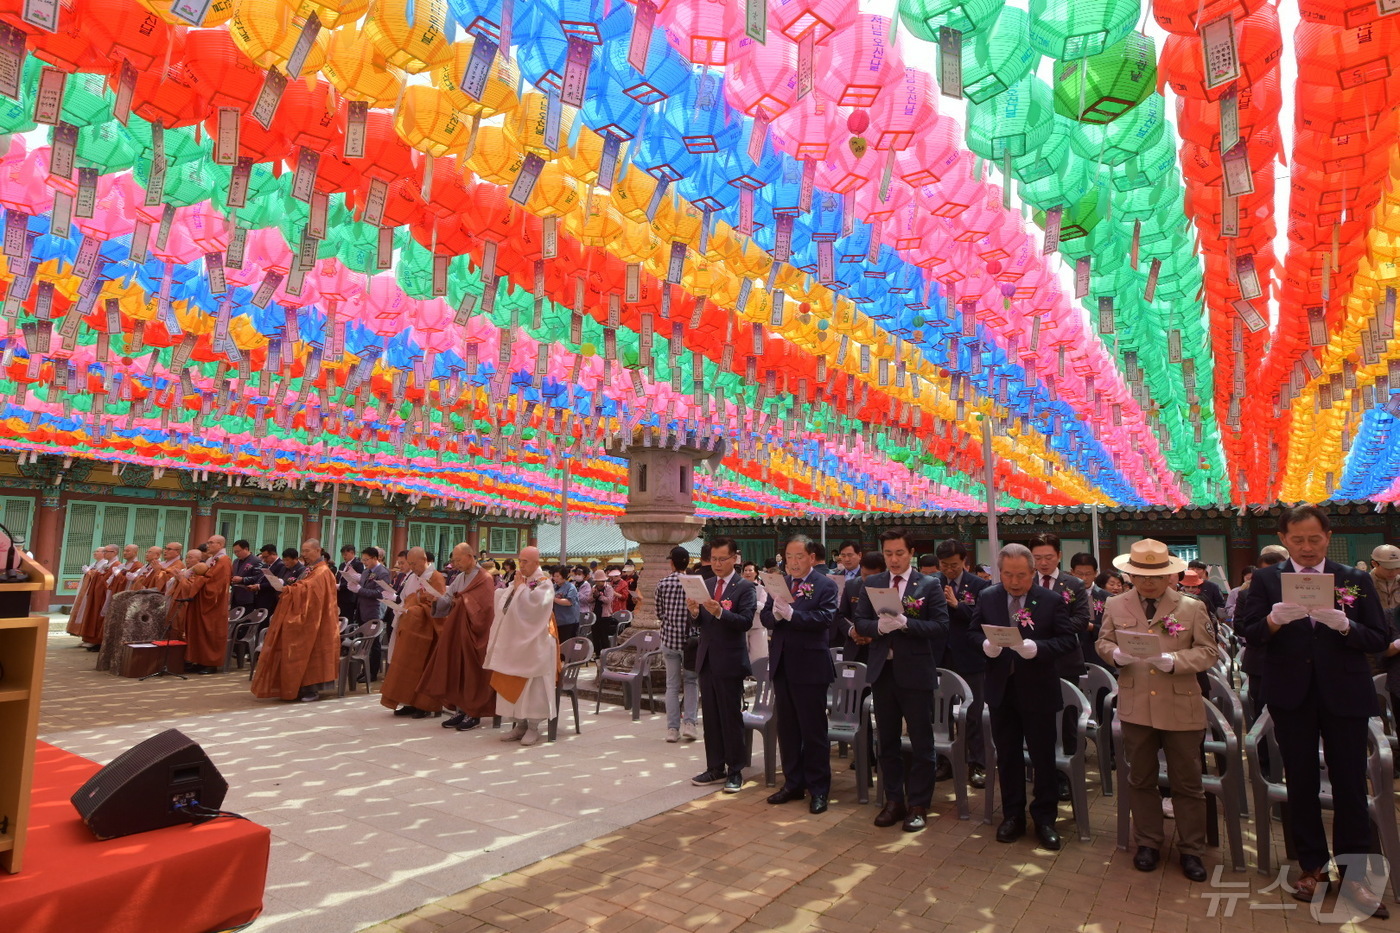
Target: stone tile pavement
[391, 825]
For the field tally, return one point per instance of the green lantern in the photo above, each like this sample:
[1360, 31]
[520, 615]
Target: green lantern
[1141, 203]
[414, 270]
[1013, 123]
[1117, 142]
[926, 17]
[1079, 219]
[85, 99]
[1051, 155]
[1073, 29]
[1103, 87]
[998, 57]
[1058, 189]
[107, 147]
[180, 144]
[266, 194]
[1148, 167]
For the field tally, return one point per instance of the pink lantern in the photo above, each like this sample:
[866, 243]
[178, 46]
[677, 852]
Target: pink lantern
[180, 247]
[115, 207]
[872, 208]
[701, 31]
[955, 191]
[266, 249]
[856, 64]
[905, 112]
[761, 76]
[22, 187]
[935, 152]
[807, 130]
[794, 18]
[208, 229]
[842, 172]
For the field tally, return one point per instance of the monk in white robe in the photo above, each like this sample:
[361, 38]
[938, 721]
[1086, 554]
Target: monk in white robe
[523, 652]
[302, 650]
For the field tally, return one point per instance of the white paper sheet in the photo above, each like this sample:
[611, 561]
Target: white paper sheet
[694, 586]
[1312, 590]
[884, 600]
[1003, 636]
[777, 587]
[1139, 644]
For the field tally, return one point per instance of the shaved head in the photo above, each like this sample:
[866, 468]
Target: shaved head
[311, 550]
[464, 558]
[417, 560]
[152, 553]
[130, 551]
[529, 558]
[193, 556]
[216, 542]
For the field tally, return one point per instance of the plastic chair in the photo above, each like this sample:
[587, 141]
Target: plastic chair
[1387, 715]
[236, 613]
[951, 699]
[575, 653]
[648, 646]
[1228, 702]
[344, 626]
[257, 652]
[1222, 747]
[585, 623]
[847, 722]
[362, 641]
[1270, 789]
[1099, 685]
[242, 638]
[759, 718]
[1072, 764]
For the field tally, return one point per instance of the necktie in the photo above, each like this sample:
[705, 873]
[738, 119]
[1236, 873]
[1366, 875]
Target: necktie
[898, 580]
[1045, 580]
[1149, 606]
[1015, 607]
[719, 589]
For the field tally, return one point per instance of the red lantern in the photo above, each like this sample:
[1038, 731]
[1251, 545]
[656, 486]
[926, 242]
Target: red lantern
[170, 99]
[221, 73]
[1259, 42]
[123, 29]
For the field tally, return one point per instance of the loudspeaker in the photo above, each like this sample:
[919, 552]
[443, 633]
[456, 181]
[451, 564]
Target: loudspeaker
[147, 786]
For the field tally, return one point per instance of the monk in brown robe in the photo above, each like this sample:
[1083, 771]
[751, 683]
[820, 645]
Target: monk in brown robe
[206, 634]
[454, 675]
[302, 648]
[88, 595]
[415, 633]
[149, 570]
[183, 588]
[95, 619]
[171, 563]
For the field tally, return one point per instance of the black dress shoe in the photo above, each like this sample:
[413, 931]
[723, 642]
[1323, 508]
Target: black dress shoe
[468, 724]
[893, 812]
[1049, 839]
[818, 804]
[786, 795]
[1011, 830]
[916, 820]
[424, 714]
[454, 722]
[944, 771]
[977, 777]
[1064, 792]
[1193, 868]
[1147, 858]
[406, 711]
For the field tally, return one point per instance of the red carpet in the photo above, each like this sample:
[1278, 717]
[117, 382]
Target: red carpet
[182, 879]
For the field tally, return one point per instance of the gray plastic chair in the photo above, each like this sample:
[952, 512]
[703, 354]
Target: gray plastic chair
[1222, 749]
[759, 718]
[1099, 686]
[1072, 763]
[648, 646]
[1270, 789]
[575, 653]
[586, 620]
[951, 699]
[848, 723]
[257, 652]
[1228, 702]
[242, 638]
[356, 656]
[1387, 715]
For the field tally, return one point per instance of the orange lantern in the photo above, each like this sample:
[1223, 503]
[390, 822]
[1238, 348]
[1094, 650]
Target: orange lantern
[359, 71]
[414, 45]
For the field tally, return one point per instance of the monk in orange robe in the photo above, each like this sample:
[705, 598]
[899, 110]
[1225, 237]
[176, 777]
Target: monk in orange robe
[171, 562]
[302, 648]
[183, 588]
[89, 598]
[454, 675]
[415, 633]
[206, 634]
[94, 621]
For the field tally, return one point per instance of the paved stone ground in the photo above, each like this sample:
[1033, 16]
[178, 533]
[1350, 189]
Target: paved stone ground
[652, 855]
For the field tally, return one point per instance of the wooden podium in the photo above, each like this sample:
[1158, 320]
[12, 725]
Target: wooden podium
[23, 640]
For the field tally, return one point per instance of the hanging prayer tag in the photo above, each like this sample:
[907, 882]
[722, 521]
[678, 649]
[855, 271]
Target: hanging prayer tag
[1387, 316]
[478, 68]
[806, 63]
[1239, 179]
[677, 265]
[1173, 346]
[1317, 326]
[375, 202]
[12, 52]
[265, 108]
[191, 11]
[305, 43]
[575, 84]
[758, 135]
[1229, 119]
[384, 251]
[304, 182]
[1229, 218]
[226, 140]
[1053, 217]
[808, 186]
[782, 248]
[126, 87]
[553, 120]
[41, 13]
[140, 241]
[272, 280]
[1153, 272]
[237, 245]
[65, 142]
[607, 163]
[214, 268]
[316, 223]
[524, 184]
[1081, 277]
[642, 25]
[950, 77]
[440, 275]
[551, 238]
[1218, 46]
[355, 124]
[756, 20]
[48, 102]
[1248, 278]
[1106, 322]
[238, 183]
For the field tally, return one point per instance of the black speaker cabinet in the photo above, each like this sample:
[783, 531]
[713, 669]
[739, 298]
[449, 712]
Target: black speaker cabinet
[145, 787]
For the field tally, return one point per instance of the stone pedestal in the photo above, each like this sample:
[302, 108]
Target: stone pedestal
[655, 537]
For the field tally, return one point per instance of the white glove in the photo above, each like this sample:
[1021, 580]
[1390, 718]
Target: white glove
[1026, 649]
[1396, 644]
[991, 650]
[1283, 613]
[1335, 619]
[1163, 662]
[782, 610]
[889, 624]
[1123, 659]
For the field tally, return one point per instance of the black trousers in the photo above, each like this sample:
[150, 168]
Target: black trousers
[802, 743]
[722, 705]
[897, 709]
[1344, 749]
[1013, 726]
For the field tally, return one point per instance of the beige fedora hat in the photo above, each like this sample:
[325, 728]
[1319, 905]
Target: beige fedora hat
[1149, 558]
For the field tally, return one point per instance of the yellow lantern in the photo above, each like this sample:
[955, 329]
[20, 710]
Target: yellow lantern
[427, 121]
[415, 46]
[525, 126]
[678, 223]
[218, 13]
[635, 244]
[585, 159]
[556, 193]
[267, 32]
[497, 97]
[357, 70]
[632, 194]
[495, 158]
[597, 224]
[331, 13]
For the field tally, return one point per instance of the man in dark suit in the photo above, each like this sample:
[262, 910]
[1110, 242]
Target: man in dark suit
[375, 583]
[855, 646]
[247, 570]
[264, 595]
[963, 658]
[350, 569]
[903, 673]
[1085, 567]
[722, 661]
[1318, 686]
[1023, 689]
[1047, 554]
[799, 661]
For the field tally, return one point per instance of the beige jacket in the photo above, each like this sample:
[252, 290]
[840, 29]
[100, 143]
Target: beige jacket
[1146, 695]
